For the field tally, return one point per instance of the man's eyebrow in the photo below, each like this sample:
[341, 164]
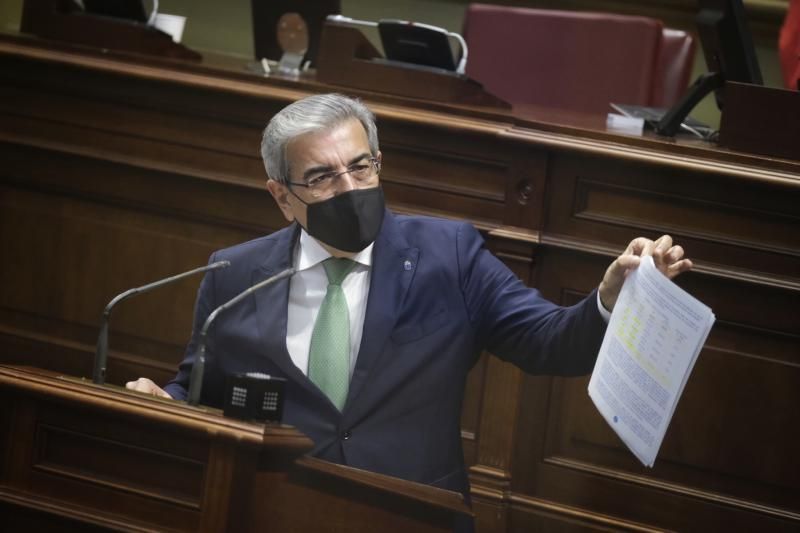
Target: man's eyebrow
[323, 169]
[365, 155]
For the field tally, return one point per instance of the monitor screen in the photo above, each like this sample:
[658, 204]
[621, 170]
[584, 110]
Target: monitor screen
[727, 43]
[419, 44]
[730, 55]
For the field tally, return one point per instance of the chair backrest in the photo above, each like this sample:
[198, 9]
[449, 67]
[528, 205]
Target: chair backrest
[789, 46]
[673, 68]
[564, 59]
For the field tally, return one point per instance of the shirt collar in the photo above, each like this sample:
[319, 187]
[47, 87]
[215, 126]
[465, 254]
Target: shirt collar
[311, 253]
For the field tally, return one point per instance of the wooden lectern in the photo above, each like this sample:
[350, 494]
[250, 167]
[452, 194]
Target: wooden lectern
[761, 120]
[348, 59]
[54, 20]
[77, 456]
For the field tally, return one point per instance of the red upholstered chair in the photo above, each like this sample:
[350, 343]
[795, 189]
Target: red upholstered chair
[569, 60]
[673, 67]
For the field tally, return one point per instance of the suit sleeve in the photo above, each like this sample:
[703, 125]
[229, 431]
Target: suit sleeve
[516, 323]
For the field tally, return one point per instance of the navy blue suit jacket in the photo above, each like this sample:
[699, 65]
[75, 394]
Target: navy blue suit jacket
[437, 298]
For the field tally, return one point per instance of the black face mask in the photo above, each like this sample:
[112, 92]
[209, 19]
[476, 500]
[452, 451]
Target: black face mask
[349, 221]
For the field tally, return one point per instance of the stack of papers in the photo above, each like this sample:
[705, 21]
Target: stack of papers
[653, 338]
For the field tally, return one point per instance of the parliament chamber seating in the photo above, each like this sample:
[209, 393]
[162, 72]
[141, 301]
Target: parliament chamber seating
[673, 67]
[578, 61]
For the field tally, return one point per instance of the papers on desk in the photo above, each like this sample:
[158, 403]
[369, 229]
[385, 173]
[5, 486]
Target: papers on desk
[625, 124]
[653, 338]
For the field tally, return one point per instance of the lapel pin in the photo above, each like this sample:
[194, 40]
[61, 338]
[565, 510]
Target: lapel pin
[407, 265]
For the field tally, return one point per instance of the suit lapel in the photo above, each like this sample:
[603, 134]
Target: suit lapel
[393, 267]
[272, 303]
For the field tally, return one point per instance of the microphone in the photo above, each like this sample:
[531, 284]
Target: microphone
[196, 379]
[101, 355]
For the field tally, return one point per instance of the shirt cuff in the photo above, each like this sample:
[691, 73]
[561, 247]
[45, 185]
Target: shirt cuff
[605, 313]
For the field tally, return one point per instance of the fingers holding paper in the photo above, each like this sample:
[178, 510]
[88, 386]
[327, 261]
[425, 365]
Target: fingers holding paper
[668, 258]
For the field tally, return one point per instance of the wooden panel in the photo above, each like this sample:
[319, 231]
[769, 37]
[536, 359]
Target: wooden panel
[434, 169]
[87, 454]
[79, 458]
[737, 365]
[471, 410]
[104, 243]
[18, 517]
[747, 253]
[747, 225]
[729, 448]
[339, 501]
[121, 461]
[441, 175]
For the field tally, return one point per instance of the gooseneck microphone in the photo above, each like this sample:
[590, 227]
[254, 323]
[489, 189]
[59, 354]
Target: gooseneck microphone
[101, 355]
[196, 379]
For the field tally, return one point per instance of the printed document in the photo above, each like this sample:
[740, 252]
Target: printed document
[653, 338]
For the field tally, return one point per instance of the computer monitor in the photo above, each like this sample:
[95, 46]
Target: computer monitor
[415, 43]
[730, 56]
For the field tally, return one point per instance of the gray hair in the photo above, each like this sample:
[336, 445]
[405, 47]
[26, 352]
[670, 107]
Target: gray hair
[316, 113]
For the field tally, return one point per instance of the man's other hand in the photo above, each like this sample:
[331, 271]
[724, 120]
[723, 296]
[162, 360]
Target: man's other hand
[148, 387]
[667, 257]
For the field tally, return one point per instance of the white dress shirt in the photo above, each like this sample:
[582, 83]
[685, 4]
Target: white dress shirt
[307, 289]
[605, 313]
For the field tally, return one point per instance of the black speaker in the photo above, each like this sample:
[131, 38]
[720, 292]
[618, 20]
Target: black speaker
[254, 396]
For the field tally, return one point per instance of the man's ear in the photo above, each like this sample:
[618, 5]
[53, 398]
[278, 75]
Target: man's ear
[280, 193]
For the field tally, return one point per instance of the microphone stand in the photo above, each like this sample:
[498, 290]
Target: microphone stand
[101, 354]
[196, 379]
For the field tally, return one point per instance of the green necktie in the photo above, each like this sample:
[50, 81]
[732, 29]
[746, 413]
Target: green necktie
[329, 354]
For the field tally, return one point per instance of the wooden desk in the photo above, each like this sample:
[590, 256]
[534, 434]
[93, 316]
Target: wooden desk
[117, 171]
[78, 455]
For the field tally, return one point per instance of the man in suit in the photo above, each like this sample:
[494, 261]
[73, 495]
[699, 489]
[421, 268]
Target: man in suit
[386, 314]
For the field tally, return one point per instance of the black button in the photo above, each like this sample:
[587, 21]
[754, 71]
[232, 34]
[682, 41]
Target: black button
[346, 435]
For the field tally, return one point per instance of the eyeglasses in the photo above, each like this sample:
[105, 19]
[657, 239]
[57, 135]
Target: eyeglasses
[320, 185]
